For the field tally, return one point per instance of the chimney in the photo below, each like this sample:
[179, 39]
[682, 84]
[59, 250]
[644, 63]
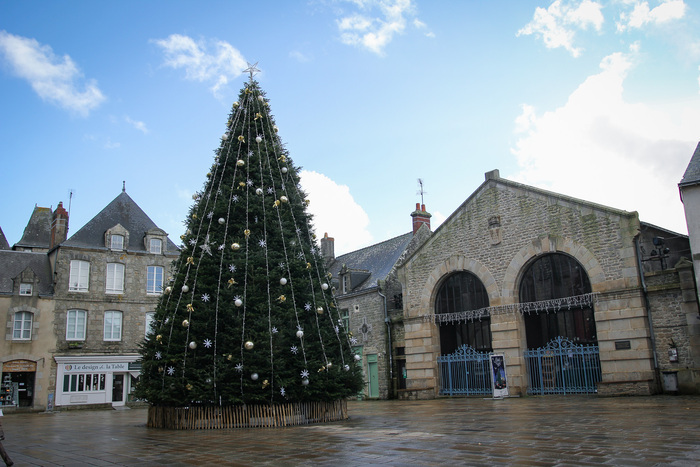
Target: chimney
[59, 226]
[328, 248]
[420, 216]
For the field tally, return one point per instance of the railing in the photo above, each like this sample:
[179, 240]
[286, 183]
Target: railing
[465, 372]
[562, 367]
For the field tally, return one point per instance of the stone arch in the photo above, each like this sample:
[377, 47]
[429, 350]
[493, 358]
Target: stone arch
[456, 263]
[549, 244]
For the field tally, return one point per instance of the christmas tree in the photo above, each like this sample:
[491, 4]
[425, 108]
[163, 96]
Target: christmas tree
[248, 316]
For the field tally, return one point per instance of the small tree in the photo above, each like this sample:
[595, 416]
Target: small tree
[248, 316]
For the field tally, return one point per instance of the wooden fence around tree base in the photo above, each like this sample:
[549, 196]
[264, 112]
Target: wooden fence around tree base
[246, 416]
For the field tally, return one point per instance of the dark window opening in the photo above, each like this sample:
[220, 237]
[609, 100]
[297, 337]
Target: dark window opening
[557, 276]
[463, 291]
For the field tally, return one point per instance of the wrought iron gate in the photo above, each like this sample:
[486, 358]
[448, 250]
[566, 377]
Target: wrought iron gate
[465, 372]
[562, 367]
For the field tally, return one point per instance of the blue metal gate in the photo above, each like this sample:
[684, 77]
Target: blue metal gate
[562, 367]
[465, 372]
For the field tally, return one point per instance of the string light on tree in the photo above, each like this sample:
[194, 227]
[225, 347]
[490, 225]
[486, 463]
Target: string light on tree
[250, 273]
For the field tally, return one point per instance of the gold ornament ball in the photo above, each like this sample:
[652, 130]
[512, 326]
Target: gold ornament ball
[185, 323]
[259, 191]
[235, 246]
[249, 345]
[284, 199]
[319, 310]
[159, 337]
[168, 290]
[189, 387]
[240, 163]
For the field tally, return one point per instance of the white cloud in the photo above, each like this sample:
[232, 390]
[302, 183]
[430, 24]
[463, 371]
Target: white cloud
[375, 33]
[336, 212]
[137, 124]
[642, 15]
[556, 24]
[602, 148]
[217, 65]
[54, 79]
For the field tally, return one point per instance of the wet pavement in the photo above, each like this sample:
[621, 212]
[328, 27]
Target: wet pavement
[539, 431]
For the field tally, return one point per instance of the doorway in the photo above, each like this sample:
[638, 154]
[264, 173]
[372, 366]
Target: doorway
[118, 389]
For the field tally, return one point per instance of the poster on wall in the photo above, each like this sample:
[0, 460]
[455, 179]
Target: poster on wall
[498, 374]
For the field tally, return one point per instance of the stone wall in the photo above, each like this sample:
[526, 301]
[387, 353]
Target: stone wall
[676, 323]
[495, 234]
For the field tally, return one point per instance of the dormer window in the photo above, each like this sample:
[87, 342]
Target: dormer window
[25, 289]
[346, 283]
[156, 246]
[117, 242]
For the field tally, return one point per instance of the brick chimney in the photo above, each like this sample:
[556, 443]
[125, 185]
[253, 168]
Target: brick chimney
[328, 248]
[59, 226]
[420, 216]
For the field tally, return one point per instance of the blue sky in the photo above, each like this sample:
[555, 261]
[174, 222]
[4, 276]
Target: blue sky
[598, 100]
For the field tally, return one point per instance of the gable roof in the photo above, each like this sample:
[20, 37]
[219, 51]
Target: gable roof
[4, 245]
[373, 263]
[13, 263]
[122, 210]
[692, 172]
[37, 233]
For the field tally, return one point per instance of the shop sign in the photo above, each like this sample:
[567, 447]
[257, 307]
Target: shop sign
[94, 367]
[19, 366]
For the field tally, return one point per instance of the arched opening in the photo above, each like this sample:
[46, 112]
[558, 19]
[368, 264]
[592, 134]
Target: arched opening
[550, 277]
[463, 291]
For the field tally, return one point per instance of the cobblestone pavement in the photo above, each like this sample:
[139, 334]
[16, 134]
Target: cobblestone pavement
[540, 431]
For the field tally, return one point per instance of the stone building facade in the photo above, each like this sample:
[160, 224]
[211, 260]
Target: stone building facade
[369, 298]
[109, 276]
[496, 238]
[89, 307]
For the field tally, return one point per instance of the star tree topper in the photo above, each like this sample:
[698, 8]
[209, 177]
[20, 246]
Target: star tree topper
[252, 69]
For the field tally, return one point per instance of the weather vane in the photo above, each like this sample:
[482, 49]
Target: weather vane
[252, 69]
[421, 191]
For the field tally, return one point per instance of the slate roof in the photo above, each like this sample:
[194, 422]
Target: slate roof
[4, 245]
[122, 210]
[692, 172]
[37, 233]
[374, 262]
[13, 263]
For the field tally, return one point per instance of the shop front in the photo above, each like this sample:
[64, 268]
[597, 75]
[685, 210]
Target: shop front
[17, 383]
[94, 380]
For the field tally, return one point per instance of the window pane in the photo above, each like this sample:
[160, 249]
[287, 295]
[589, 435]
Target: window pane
[25, 289]
[154, 279]
[79, 275]
[75, 324]
[156, 246]
[149, 322]
[117, 242]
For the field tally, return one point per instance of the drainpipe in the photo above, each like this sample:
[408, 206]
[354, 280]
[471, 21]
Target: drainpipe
[388, 333]
[647, 306]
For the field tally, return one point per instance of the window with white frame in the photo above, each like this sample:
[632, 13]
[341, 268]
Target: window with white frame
[115, 278]
[76, 321]
[116, 242]
[79, 276]
[150, 320]
[22, 329]
[113, 326]
[84, 382]
[25, 288]
[156, 246]
[154, 280]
